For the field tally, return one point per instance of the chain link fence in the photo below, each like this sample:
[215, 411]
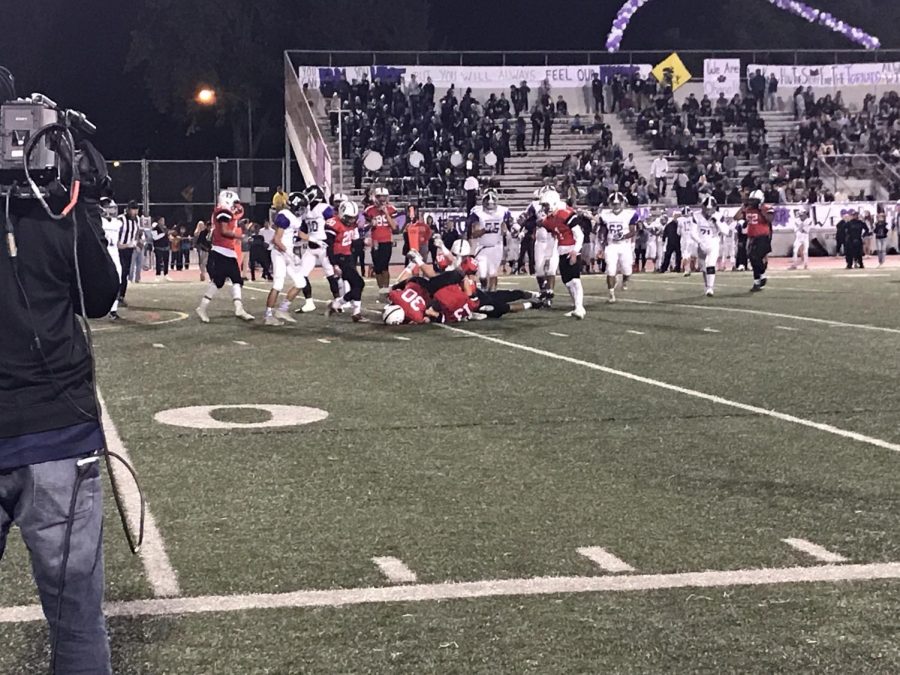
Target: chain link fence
[184, 191]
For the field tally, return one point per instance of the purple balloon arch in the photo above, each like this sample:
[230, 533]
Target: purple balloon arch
[811, 14]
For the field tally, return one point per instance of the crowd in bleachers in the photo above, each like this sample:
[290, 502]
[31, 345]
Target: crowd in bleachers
[452, 138]
[828, 129]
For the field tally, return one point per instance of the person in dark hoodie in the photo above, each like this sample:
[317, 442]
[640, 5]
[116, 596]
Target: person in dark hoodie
[50, 432]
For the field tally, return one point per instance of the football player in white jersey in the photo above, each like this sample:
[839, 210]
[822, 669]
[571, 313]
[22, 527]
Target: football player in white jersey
[706, 234]
[546, 250]
[313, 232]
[688, 245]
[728, 247]
[488, 224]
[803, 224]
[285, 262]
[620, 223]
[112, 223]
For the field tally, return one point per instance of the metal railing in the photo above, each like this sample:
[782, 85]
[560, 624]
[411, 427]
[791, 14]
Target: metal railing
[184, 191]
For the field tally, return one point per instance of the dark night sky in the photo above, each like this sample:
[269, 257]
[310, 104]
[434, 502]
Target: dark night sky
[76, 51]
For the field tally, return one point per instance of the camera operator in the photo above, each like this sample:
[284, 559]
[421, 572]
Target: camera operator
[49, 421]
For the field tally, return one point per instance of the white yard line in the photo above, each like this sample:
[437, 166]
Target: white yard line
[814, 550]
[604, 559]
[785, 417]
[160, 573]
[759, 312]
[711, 330]
[395, 570]
[634, 332]
[481, 589]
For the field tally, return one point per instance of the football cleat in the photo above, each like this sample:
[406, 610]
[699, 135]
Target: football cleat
[478, 316]
[201, 312]
[359, 318]
[709, 292]
[577, 313]
[284, 316]
[612, 297]
[307, 307]
[242, 313]
[756, 288]
[273, 321]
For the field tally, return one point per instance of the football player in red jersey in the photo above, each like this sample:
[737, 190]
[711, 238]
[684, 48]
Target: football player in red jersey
[759, 236]
[380, 218]
[563, 223]
[341, 232]
[223, 258]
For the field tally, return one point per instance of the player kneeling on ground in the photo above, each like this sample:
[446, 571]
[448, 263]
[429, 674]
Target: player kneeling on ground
[706, 234]
[342, 232]
[223, 258]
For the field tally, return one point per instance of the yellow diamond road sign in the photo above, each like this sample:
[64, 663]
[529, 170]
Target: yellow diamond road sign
[672, 70]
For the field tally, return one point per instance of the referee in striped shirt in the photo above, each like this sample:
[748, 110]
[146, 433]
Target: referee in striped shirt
[129, 236]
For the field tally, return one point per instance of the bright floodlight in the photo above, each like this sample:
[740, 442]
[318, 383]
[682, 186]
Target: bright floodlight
[206, 96]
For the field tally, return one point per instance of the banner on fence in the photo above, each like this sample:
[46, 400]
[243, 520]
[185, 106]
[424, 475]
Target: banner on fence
[721, 76]
[843, 75]
[477, 77]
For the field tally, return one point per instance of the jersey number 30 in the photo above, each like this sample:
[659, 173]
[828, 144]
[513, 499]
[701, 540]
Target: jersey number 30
[413, 299]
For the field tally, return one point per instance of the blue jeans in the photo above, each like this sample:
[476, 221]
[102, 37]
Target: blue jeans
[37, 499]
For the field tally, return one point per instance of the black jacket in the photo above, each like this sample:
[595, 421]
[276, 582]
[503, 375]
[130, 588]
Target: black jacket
[47, 388]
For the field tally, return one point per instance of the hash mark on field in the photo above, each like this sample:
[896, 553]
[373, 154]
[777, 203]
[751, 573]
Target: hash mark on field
[489, 588]
[324, 341]
[559, 334]
[784, 417]
[241, 343]
[634, 332]
[160, 572]
[785, 328]
[395, 570]
[814, 550]
[402, 338]
[604, 559]
[711, 330]
[157, 345]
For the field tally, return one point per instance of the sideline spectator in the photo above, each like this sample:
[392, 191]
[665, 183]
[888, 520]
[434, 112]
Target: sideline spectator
[757, 87]
[771, 91]
[161, 248]
[659, 171]
[597, 91]
[203, 244]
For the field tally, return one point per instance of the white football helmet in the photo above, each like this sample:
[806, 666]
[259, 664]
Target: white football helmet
[709, 205]
[109, 207]
[758, 196]
[349, 212]
[228, 199]
[393, 315]
[617, 202]
[461, 248]
[490, 201]
[550, 201]
[338, 198]
[381, 195]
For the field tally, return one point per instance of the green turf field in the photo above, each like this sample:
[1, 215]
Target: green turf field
[603, 496]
